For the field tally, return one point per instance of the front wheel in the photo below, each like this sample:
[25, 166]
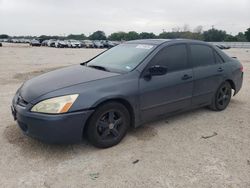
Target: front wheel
[108, 125]
[222, 97]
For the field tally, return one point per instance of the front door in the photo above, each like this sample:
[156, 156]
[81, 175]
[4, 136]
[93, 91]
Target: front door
[171, 92]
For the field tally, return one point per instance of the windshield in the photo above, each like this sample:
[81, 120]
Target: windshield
[122, 58]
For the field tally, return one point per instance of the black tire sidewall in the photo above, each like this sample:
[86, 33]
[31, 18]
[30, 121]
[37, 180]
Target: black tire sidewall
[92, 133]
[218, 107]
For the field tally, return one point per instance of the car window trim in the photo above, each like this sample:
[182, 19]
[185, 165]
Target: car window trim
[150, 63]
[215, 52]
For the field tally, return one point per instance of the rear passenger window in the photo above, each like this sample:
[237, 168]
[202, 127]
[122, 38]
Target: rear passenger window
[201, 55]
[218, 58]
[173, 57]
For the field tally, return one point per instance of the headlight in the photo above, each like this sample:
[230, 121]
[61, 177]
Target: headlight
[55, 105]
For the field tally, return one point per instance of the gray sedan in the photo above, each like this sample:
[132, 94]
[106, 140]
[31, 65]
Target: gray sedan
[126, 86]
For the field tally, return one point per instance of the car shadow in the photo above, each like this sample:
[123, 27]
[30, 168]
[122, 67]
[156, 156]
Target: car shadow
[31, 148]
[34, 149]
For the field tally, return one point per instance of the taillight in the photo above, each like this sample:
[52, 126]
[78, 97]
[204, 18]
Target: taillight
[241, 68]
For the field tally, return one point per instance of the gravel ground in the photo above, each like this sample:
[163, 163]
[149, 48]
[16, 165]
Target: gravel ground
[172, 152]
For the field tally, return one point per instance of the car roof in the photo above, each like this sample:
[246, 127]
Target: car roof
[158, 42]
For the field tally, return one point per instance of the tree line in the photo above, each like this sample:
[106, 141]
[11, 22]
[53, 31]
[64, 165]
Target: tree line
[211, 35]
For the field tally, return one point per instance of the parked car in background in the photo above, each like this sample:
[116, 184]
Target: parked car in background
[61, 44]
[105, 43]
[98, 44]
[27, 41]
[88, 44]
[44, 43]
[35, 42]
[74, 44]
[226, 47]
[126, 86]
[222, 47]
[51, 43]
[7, 40]
[14, 40]
[21, 40]
[110, 44]
[117, 42]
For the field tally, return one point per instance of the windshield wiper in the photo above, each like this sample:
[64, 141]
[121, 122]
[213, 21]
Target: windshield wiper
[99, 67]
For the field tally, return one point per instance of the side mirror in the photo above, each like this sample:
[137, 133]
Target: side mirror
[157, 70]
[84, 63]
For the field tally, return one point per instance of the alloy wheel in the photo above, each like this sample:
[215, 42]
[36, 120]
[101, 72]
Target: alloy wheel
[109, 124]
[223, 96]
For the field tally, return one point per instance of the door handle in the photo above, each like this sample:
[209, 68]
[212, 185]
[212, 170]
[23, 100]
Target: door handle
[186, 77]
[220, 69]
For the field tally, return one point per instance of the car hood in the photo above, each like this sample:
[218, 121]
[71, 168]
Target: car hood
[59, 79]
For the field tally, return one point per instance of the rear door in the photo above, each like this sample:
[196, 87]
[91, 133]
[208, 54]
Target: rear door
[208, 68]
[171, 92]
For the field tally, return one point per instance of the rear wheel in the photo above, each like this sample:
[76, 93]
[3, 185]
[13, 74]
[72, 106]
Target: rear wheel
[108, 125]
[222, 97]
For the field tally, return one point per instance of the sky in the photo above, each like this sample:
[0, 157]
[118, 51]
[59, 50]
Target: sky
[63, 17]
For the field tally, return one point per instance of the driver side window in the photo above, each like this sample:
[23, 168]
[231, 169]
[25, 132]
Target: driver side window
[173, 57]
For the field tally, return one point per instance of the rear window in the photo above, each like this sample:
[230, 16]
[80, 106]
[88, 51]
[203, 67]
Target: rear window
[201, 55]
[223, 54]
[218, 58]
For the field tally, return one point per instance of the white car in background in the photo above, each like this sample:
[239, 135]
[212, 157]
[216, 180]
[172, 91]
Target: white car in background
[61, 44]
[74, 44]
[15, 40]
[98, 44]
[88, 44]
[35, 42]
[51, 43]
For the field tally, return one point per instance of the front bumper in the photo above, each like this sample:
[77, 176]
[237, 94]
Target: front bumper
[56, 129]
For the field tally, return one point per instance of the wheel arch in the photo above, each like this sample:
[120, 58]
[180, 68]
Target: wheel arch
[231, 82]
[123, 101]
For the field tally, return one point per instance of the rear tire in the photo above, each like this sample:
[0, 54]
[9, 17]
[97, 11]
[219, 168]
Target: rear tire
[108, 125]
[222, 97]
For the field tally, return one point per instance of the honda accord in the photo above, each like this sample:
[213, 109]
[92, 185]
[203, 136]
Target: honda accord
[126, 86]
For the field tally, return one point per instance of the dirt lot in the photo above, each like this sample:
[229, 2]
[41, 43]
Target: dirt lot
[167, 153]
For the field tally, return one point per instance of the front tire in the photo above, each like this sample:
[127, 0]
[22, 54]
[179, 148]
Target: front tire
[108, 125]
[222, 97]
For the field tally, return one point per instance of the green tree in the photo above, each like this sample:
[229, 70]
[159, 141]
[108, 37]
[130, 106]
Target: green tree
[177, 34]
[4, 36]
[98, 35]
[230, 38]
[247, 34]
[118, 36]
[46, 37]
[191, 35]
[214, 35]
[145, 35]
[132, 35]
[169, 35]
[241, 37]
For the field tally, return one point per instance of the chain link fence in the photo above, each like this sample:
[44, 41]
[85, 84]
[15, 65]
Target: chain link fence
[234, 44]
